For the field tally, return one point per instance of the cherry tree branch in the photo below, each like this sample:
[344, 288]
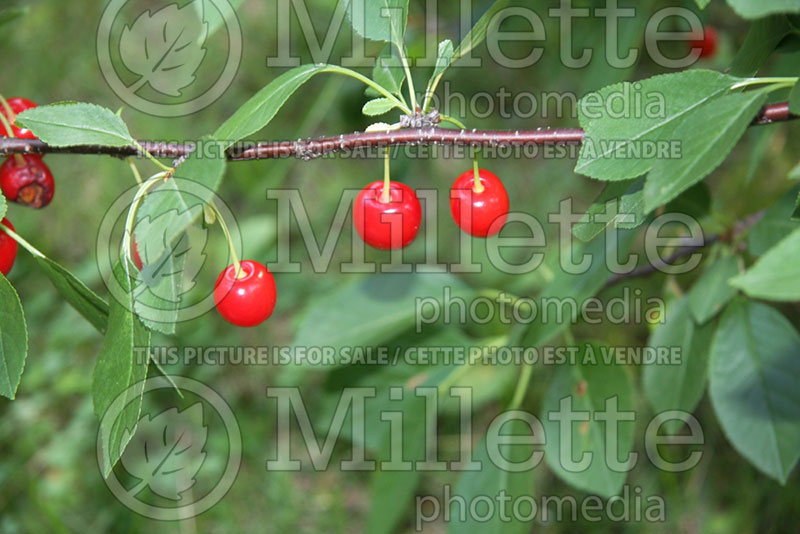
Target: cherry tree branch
[314, 148]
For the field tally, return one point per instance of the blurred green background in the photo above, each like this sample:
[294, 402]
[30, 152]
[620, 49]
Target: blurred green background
[49, 480]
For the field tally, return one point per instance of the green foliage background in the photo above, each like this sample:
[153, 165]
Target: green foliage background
[49, 479]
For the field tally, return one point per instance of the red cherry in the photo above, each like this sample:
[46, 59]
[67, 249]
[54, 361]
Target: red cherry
[387, 225]
[249, 300]
[17, 105]
[480, 214]
[27, 180]
[8, 248]
[707, 42]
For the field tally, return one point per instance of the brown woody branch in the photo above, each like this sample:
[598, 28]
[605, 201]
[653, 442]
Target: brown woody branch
[313, 148]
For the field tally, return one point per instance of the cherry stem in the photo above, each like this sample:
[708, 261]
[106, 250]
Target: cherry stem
[477, 184]
[6, 124]
[135, 171]
[237, 266]
[27, 246]
[386, 194]
[129, 221]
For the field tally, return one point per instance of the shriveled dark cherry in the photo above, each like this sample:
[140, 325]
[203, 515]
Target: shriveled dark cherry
[8, 248]
[17, 105]
[387, 225]
[249, 300]
[480, 214]
[27, 180]
[707, 42]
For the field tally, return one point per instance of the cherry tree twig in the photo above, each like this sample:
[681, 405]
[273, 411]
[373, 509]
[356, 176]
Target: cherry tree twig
[314, 148]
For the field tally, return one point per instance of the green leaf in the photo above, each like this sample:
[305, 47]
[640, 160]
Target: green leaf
[678, 386]
[388, 72]
[706, 136]
[257, 112]
[120, 370]
[13, 339]
[379, 20]
[755, 9]
[577, 287]
[694, 202]
[755, 369]
[611, 138]
[444, 58]
[391, 490]
[619, 201]
[75, 124]
[776, 274]
[379, 106]
[93, 308]
[494, 481]
[3, 206]
[774, 226]
[763, 37]
[712, 292]
[794, 174]
[173, 206]
[702, 3]
[589, 386]
[794, 100]
[478, 32]
[379, 308]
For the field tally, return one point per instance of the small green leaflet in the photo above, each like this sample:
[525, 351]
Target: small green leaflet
[119, 374]
[712, 292]
[75, 124]
[3, 206]
[379, 20]
[706, 138]
[755, 369]
[93, 308]
[614, 136]
[764, 36]
[755, 9]
[776, 274]
[13, 339]
[575, 396]
[702, 3]
[478, 32]
[620, 204]
[444, 58]
[378, 106]
[510, 476]
[678, 386]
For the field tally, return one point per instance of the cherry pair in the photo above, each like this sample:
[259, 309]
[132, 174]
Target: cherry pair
[24, 179]
[391, 221]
